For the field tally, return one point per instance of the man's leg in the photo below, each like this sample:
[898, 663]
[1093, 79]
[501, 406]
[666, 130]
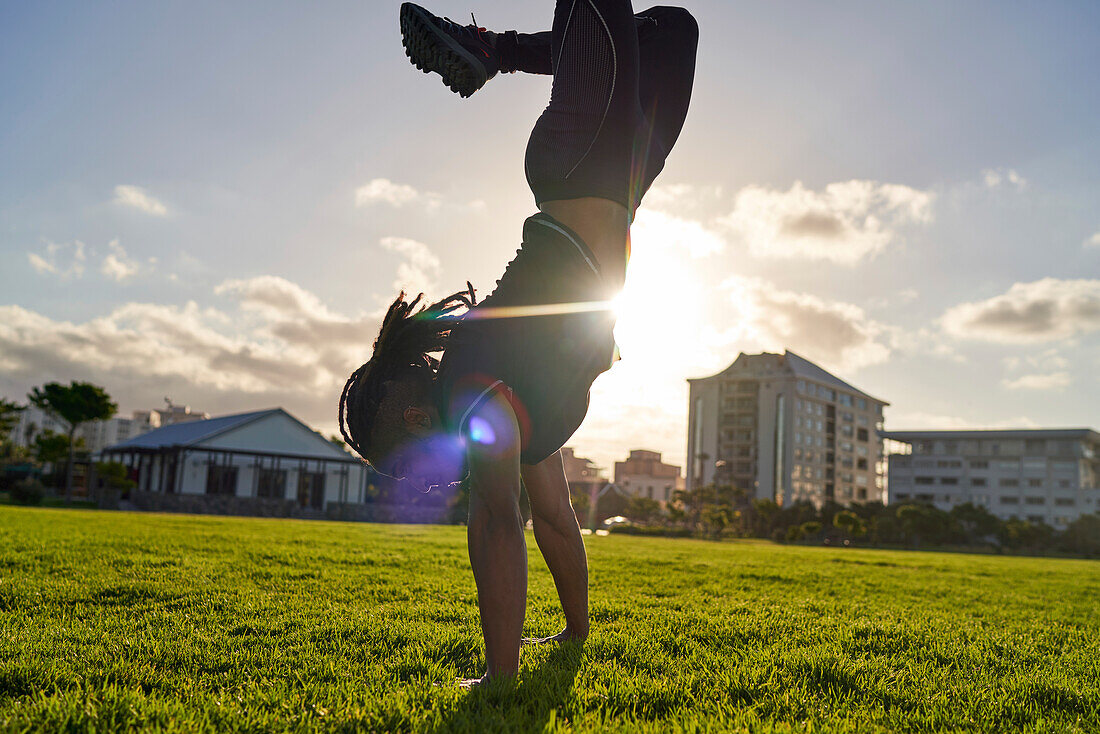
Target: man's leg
[667, 41]
[559, 538]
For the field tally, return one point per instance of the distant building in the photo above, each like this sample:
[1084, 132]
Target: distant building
[583, 476]
[33, 422]
[782, 428]
[266, 454]
[644, 475]
[98, 435]
[1040, 475]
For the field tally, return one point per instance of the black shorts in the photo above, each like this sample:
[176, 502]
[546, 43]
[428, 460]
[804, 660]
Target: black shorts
[540, 339]
[593, 138]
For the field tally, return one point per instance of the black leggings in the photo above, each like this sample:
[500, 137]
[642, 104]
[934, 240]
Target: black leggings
[622, 85]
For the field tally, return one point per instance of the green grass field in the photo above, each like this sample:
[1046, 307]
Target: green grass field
[116, 621]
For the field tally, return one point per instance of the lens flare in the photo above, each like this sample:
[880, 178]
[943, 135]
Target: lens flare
[481, 432]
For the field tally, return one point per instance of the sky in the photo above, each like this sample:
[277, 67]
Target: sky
[214, 202]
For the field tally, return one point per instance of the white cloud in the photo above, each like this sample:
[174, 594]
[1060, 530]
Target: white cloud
[838, 335]
[390, 193]
[420, 269]
[1048, 361]
[995, 177]
[65, 260]
[276, 297]
[274, 343]
[844, 223]
[684, 200]
[140, 199]
[117, 264]
[1043, 310]
[384, 191]
[676, 233]
[1093, 242]
[1051, 381]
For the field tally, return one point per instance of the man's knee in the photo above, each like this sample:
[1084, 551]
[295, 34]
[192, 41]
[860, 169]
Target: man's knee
[674, 22]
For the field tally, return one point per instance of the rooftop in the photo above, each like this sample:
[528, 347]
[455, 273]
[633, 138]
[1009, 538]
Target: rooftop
[1009, 434]
[192, 432]
[800, 367]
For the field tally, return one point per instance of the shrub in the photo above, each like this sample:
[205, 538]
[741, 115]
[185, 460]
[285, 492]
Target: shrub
[28, 492]
[114, 474]
[810, 528]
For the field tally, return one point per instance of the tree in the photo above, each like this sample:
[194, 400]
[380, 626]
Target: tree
[642, 509]
[9, 417]
[976, 523]
[51, 448]
[1083, 536]
[75, 404]
[850, 523]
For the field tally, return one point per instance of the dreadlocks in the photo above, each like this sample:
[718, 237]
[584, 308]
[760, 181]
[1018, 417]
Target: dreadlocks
[404, 347]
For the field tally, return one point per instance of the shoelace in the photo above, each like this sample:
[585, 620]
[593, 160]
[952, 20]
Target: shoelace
[453, 27]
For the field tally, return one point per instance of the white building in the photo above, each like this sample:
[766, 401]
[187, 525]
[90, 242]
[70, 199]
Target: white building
[1041, 475]
[782, 428]
[33, 422]
[643, 474]
[98, 435]
[265, 454]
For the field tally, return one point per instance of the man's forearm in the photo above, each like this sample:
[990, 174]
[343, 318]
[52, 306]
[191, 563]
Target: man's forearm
[498, 555]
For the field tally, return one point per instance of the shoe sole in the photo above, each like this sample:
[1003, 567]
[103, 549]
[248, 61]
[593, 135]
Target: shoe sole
[430, 49]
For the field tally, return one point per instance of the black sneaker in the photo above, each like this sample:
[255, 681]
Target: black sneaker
[462, 55]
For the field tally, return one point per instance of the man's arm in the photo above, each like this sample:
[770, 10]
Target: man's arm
[498, 552]
[559, 539]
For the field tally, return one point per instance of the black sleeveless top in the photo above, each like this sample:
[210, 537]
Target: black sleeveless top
[540, 339]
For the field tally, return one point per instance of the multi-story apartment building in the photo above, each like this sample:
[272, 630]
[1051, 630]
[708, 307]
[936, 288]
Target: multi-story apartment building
[782, 428]
[1041, 475]
[643, 474]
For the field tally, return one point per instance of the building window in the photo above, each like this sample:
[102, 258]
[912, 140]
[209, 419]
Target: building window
[1009, 482]
[1035, 518]
[271, 483]
[901, 496]
[1035, 500]
[1034, 482]
[1064, 502]
[979, 465]
[311, 490]
[922, 480]
[949, 480]
[977, 481]
[1010, 500]
[221, 479]
[861, 434]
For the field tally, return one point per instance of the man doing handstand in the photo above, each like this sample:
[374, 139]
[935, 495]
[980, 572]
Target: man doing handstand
[513, 380]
